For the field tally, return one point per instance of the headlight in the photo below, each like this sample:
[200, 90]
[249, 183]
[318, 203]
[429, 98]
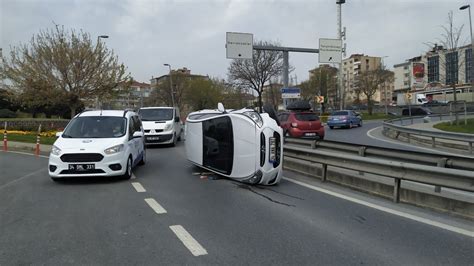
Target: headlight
[255, 117]
[114, 149]
[55, 150]
[168, 127]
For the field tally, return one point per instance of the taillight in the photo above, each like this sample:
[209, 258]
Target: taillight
[294, 124]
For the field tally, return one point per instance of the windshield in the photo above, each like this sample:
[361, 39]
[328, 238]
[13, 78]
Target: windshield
[159, 114]
[96, 127]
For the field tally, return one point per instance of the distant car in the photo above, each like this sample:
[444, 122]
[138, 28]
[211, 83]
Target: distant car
[98, 143]
[436, 103]
[301, 124]
[416, 111]
[240, 144]
[344, 118]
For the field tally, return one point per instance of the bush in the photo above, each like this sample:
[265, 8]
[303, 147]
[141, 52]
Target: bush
[5, 113]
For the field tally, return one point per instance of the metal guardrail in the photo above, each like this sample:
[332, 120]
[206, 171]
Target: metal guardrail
[398, 129]
[423, 158]
[431, 175]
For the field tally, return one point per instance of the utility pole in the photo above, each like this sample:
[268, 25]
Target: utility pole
[339, 36]
[171, 84]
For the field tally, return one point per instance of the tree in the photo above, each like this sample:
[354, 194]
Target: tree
[256, 72]
[203, 93]
[320, 83]
[67, 64]
[370, 82]
[452, 62]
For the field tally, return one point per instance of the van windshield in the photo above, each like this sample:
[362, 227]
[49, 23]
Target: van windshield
[159, 114]
[96, 127]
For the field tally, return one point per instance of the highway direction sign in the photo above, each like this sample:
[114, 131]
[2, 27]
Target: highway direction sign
[239, 45]
[330, 50]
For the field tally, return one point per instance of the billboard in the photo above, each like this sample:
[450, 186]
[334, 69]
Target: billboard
[419, 71]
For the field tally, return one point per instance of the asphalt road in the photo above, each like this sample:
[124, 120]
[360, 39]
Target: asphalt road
[107, 222]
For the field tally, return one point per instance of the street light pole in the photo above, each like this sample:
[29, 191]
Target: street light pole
[472, 49]
[171, 84]
[339, 36]
[97, 101]
[385, 88]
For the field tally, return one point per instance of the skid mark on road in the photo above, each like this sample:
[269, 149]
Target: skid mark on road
[249, 188]
[188, 240]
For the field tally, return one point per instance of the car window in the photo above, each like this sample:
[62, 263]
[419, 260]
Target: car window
[339, 113]
[96, 127]
[306, 117]
[137, 123]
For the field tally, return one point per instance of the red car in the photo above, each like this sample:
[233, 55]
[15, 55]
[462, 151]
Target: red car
[301, 124]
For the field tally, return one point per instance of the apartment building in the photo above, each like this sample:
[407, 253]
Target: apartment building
[352, 67]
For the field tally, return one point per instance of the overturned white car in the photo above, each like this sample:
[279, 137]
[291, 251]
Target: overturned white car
[240, 144]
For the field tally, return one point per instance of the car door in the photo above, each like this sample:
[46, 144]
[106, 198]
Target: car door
[132, 142]
[139, 142]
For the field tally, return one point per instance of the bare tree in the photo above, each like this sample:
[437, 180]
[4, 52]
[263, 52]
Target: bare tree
[450, 39]
[67, 64]
[371, 81]
[256, 72]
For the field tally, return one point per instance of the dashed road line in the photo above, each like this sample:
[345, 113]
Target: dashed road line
[188, 241]
[385, 209]
[138, 187]
[155, 206]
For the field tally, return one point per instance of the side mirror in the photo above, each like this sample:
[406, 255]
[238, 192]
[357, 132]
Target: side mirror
[58, 134]
[137, 134]
[176, 119]
[220, 107]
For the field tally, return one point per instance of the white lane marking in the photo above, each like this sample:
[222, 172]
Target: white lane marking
[138, 187]
[385, 209]
[188, 241]
[25, 153]
[18, 179]
[155, 206]
[369, 134]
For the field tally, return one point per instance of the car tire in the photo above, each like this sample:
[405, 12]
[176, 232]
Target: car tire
[143, 160]
[351, 125]
[331, 127]
[321, 138]
[360, 123]
[128, 170]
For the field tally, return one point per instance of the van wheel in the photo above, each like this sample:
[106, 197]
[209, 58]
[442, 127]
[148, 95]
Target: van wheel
[128, 170]
[180, 134]
[174, 140]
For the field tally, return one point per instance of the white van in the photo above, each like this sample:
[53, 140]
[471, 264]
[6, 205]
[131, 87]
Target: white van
[240, 144]
[162, 125]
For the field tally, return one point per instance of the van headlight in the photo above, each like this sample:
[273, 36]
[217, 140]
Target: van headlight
[114, 149]
[168, 127]
[255, 117]
[55, 150]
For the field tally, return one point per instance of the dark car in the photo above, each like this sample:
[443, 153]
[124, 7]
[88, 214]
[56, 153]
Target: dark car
[301, 124]
[344, 118]
[416, 111]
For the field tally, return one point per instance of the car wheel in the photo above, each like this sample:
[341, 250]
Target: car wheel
[128, 170]
[331, 127]
[360, 123]
[351, 125]
[321, 137]
[143, 160]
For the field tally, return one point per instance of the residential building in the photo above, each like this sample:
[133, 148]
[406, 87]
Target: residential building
[131, 97]
[352, 67]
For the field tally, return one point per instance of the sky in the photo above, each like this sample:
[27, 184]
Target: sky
[145, 34]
